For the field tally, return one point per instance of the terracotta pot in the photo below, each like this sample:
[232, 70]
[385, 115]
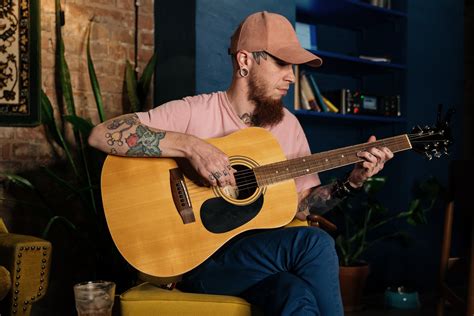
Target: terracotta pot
[352, 281]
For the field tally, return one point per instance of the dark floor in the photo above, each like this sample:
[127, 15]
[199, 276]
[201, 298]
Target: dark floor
[374, 306]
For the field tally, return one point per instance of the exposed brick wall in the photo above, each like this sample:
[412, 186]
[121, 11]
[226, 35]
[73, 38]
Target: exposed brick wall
[112, 43]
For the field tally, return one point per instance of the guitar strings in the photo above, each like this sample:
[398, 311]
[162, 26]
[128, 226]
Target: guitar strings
[239, 174]
[246, 178]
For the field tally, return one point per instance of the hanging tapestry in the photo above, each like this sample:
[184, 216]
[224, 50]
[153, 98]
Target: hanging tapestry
[20, 67]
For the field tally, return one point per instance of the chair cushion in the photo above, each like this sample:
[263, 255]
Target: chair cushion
[148, 299]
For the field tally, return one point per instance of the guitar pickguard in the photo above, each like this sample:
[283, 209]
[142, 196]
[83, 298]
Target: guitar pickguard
[219, 216]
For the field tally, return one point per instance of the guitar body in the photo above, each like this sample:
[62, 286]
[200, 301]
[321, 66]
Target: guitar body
[147, 227]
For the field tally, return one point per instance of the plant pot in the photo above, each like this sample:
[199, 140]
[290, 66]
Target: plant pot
[352, 281]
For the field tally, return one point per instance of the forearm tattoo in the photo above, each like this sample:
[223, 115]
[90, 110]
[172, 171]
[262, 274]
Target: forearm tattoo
[320, 200]
[141, 141]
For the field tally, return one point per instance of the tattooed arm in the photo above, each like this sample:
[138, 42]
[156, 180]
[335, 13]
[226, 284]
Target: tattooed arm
[127, 136]
[319, 200]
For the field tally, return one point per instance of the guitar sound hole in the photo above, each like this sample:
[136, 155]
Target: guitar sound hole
[246, 181]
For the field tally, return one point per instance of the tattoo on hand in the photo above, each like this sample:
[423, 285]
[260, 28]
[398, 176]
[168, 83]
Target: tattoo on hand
[144, 142]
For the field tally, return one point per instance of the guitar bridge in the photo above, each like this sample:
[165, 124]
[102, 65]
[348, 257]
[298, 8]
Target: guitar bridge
[181, 197]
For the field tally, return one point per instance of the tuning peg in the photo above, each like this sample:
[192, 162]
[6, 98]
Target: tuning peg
[429, 156]
[417, 130]
[438, 154]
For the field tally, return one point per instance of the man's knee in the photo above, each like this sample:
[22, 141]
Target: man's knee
[286, 294]
[313, 235]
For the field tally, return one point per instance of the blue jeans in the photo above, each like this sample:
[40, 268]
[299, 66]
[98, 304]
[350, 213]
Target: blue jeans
[288, 271]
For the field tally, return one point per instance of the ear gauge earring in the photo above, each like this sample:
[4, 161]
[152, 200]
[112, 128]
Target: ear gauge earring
[243, 72]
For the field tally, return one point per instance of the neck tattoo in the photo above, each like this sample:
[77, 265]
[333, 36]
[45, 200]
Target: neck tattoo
[246, 118]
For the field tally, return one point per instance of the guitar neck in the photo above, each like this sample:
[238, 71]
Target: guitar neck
[332, 159]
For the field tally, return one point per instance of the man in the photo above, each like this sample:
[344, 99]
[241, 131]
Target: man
[285, 271]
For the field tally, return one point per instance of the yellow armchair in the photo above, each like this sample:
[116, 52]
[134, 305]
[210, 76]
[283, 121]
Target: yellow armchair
[150, 299]
[24, 271]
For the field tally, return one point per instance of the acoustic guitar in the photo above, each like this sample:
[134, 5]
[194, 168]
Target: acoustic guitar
[165, 223]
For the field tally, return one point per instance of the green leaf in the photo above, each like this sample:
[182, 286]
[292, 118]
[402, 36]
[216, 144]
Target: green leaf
[373, 184]
[93, 78]
[63, 69]
[47, 118]
[144, 83]
[131, 82]
[82, 125]
[55, 219]
[18, 180]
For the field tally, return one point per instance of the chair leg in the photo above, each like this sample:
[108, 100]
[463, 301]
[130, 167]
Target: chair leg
[440, 307]
[470, 282]
[445, 251]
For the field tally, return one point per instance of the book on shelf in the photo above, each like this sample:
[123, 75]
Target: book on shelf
[304, 101]
[330, 105]
[297, 98]
[317, 93]
[308, 92]
[306, 34]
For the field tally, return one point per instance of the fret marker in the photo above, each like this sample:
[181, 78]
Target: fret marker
[276, 171]
[342, 156]
[327, 160]
[287, 169]
[304, 160]
[307, 170]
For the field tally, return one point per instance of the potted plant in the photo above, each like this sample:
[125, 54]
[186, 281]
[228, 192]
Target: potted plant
[363, 216]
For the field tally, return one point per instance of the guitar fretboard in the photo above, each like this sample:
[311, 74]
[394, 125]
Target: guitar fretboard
[293, 168]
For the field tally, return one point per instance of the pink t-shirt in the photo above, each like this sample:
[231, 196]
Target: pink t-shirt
[211, 115]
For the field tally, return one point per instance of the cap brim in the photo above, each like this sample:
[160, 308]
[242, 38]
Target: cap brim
[297, 55]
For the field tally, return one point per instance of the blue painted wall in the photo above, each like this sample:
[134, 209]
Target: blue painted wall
[215, 23]
[435, 74]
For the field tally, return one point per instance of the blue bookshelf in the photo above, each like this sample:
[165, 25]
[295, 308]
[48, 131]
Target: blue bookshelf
[345, 30]
[346, 13]
[349, 117]
[344, 64]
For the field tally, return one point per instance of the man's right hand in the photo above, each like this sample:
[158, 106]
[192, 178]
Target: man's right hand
[210, 162]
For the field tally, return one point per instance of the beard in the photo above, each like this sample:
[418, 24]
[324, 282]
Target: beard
[268, 111]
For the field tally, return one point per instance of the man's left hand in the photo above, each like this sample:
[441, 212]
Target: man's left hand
[374, 160]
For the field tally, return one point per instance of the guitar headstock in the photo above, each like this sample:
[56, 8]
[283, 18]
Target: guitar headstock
[433, 141]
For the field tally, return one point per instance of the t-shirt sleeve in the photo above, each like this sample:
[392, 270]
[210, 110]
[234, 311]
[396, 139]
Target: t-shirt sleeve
[171, 116]
[302, 148]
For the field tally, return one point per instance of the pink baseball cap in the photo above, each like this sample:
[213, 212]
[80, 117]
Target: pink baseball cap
[274, 34]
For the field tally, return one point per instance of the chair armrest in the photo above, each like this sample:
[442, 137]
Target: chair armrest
[319, 221]
[28, 259]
